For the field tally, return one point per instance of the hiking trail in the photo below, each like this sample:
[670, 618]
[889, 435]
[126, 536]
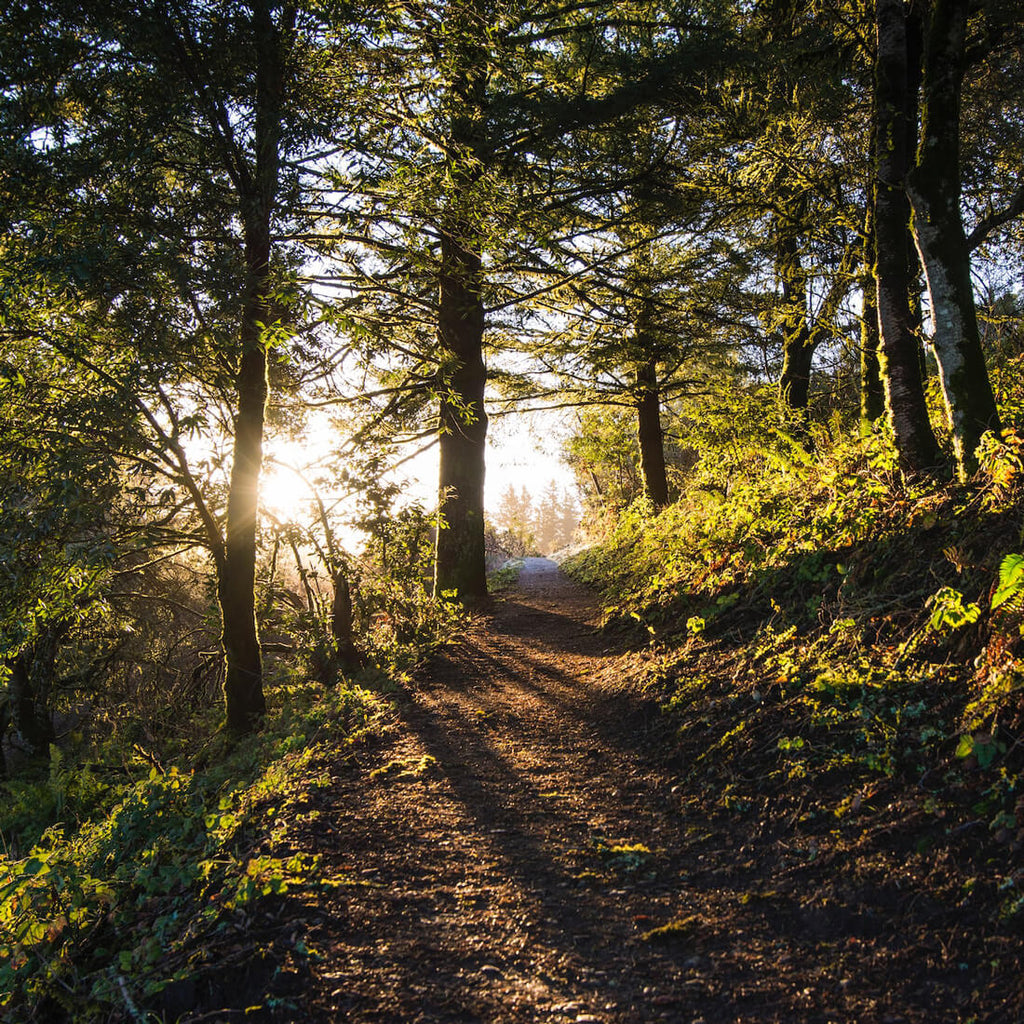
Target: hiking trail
[519, 850]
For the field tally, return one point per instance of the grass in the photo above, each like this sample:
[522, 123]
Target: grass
[505, 576]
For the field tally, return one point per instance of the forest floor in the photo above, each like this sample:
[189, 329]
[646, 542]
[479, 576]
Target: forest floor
[519, 848]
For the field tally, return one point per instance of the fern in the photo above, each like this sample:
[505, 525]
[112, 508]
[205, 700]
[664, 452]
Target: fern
[60, 777]
[1010, 591]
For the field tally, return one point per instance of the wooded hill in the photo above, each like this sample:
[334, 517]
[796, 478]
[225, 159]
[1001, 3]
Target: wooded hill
[769, 255]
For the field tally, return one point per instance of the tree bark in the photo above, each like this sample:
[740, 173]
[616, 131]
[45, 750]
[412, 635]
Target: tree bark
[243, 680]
[934, 189]
[28, 714]
[797, 347]
[342, 633]
[650, 436]
[460, 560]
[901, 372]
[460, 564]
[872, 392]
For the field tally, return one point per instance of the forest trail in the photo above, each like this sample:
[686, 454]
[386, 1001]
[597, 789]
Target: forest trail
[524, 846]
[501, 846]
[519, 850]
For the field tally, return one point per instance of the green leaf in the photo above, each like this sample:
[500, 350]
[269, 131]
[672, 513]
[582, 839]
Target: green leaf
[965, 747]
[37, 866]
[1011, 581]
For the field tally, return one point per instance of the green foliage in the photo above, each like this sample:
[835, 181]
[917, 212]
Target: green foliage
[1008, 379]
[948, 610]
[402, 623]
[823, 619]
[779, 530]
[1000, 464]
[602, 454]
[172, 859]
[1010, 591]
[624, 857]
[504, 577]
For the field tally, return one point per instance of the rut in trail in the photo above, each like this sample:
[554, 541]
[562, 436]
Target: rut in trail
[513, 845]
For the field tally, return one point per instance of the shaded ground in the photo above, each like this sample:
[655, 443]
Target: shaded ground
[513, 850]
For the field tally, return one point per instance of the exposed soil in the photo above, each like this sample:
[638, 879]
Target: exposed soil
[512, 850]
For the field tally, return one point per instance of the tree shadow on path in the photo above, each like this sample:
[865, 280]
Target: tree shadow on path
[520, 863]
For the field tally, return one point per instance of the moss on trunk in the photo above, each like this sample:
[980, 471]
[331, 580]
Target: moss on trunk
[934, 189]
[894, 106]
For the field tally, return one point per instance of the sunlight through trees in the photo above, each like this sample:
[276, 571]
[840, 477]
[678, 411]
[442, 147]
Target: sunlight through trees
[257, 259]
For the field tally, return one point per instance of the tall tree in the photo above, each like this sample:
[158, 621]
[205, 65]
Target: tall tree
[233, 69]
[256, 180]
[895, 129]
[460, 565]
[183, 146]
[655, 322]
[468, 196]
[934, 187]
[427, 202]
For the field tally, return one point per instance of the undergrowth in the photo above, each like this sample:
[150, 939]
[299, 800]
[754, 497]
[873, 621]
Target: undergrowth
[823, 634]
[103, 914]
[505, 576]
[132, 865]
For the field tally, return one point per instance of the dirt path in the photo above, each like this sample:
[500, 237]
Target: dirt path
[515, 842]
[512, 851]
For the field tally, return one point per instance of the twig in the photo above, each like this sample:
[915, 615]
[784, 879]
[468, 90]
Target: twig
[132, 1008]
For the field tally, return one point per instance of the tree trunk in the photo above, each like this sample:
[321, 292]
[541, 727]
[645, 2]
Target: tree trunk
[243, 680]
[461, 562]
[795, 380]
[650, 436]
[28, 714]
[901, 371]
[342, 633]
[934, 190]
[797, 346]
[872, 393]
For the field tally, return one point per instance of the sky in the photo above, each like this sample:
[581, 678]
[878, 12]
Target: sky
[523, 450]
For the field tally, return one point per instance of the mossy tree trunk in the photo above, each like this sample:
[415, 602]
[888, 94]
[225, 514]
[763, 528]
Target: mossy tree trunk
[872, 392]
[934, 189]
[797, 340]
[895, 126]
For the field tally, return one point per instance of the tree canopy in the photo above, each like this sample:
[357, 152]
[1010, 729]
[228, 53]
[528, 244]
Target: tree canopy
[219, 219]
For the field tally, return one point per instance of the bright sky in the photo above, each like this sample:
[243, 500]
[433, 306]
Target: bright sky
[522, 450]
[526, 450]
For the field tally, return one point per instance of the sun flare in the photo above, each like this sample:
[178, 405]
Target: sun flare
[285, 495]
